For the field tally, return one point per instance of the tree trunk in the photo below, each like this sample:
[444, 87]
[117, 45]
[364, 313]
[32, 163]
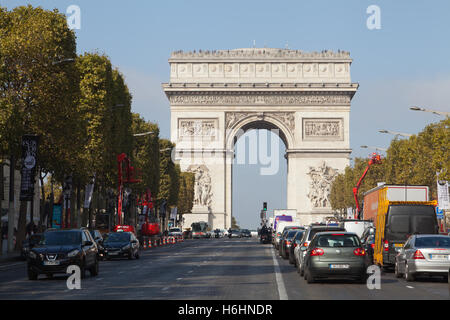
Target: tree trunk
[21, 226]
[42, 203]
[78, 204]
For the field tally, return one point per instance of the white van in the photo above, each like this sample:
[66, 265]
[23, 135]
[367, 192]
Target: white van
[356, 226]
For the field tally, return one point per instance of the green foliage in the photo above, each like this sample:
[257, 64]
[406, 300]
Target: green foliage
[167, 173]
[146, 155]
[413, 161]
[186, 192]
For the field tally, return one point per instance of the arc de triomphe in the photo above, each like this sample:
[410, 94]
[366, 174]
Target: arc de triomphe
[215, 95]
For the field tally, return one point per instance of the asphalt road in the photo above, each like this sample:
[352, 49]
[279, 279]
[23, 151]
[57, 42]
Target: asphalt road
[208, 269]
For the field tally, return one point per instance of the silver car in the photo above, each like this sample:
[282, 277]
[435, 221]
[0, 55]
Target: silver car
[423, 255]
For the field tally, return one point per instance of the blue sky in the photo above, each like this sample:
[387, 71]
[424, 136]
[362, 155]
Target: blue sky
[404, 63]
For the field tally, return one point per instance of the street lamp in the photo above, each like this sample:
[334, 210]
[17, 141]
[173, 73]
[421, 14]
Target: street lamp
[143, 134]
[376, 148]
[397, 134]
[440, 113]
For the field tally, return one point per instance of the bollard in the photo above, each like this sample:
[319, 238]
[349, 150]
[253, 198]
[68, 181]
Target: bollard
[149, 243]
[144, 244]
[155, 243]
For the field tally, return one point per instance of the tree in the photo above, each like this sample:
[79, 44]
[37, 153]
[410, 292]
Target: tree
[38, 88]
[146, 155]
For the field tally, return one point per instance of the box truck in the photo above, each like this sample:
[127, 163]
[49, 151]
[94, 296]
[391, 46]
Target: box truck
[397, 213]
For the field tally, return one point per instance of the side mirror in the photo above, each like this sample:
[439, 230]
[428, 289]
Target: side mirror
[303, 248]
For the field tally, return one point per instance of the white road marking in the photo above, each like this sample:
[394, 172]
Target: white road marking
[409, 287]
[279, 278]
[165, 288]
[190, 271]
[178, 279]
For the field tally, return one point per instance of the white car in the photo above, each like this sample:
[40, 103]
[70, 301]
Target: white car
[225, 232]
[175, 232]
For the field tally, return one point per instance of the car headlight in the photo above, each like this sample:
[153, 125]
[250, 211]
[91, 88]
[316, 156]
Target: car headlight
[126, 247]
[73, 253]
[32, 255]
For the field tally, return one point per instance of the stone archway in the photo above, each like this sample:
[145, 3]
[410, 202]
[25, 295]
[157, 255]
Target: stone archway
[214, 95]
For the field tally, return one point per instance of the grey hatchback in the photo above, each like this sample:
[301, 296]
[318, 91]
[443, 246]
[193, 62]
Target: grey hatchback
[335, 255]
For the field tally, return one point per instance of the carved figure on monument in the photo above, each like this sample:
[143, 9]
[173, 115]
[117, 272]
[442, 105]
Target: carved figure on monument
[320, 186]
[202, 186]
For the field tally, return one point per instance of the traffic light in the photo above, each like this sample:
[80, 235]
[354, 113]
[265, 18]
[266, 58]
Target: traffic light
[265, 206]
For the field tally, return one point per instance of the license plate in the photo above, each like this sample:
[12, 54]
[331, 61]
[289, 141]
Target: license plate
[339, 266]
[51, 263]
[113, 253]
[439, 256]
[398, 245]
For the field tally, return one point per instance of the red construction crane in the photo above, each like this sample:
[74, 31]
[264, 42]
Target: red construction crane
[375, 159]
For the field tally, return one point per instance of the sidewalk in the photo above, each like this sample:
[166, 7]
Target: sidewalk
[8, 257]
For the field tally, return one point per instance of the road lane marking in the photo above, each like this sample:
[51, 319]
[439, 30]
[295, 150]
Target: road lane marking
[279, 278]
[409, 287]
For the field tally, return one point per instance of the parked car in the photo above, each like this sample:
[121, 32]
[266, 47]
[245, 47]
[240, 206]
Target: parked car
[296, 241]
[286, 242]
[98, 238]
[234, 234]
[423, 255]
[307, 237]
[335, 255]
[225, 232]
[173, 232]
[59, 249]
[246, 233]
[121, 245]
[29, 244]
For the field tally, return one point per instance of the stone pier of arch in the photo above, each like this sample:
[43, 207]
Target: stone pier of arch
[215, 95]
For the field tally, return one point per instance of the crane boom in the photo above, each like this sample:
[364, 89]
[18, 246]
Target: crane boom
[375, 159]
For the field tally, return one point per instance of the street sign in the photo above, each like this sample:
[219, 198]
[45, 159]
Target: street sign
[439, 213]
[443, 196]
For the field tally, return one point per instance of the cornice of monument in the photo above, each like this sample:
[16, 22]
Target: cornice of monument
[265, 54]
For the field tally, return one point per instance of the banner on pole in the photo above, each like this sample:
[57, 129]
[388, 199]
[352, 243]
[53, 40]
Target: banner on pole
[57, 215]
[28, 172]
[89, 192]
[443, 195]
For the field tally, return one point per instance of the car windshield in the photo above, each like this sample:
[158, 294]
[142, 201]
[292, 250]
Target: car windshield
[338, 240]
[313, 231]
[433, 242]
[118, 237]
[61, 238]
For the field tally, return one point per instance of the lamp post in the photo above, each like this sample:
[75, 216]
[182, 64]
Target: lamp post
[375, 148]
[440, 113]
[397, 134]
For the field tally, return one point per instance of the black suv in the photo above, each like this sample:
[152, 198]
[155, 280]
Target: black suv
[60, 249]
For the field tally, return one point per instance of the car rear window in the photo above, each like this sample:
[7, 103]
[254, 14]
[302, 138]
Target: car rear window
[433, 242]
[338, 241]
[299, 235]
[313, 232]
[291, 234]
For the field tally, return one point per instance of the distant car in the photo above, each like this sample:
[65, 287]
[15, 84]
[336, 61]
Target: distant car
[29, 243]
[57, 250]
[121, 245]
[423, 255]
[234, 234]
[286, 242]
[368, 242]
[173, 232]
[307, 237]
[246, 233]
[254, 233]
[98, 238]
[218, 233]
[225, 232]
[335, 255]
[296, 241]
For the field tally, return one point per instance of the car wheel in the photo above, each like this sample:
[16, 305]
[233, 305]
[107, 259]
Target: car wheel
[396, 271]
[130, 255]
[32, 275]
[363, 278]
[94, 269]
[137, 256]
[291, 261]
[49, 275]
[309, 277]
[408, 275]
[83, 269]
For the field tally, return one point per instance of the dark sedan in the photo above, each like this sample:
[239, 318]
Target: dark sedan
[246, 233]
[335, 255]
[121, 245]
[57, 250]
[29, 244]
[286, 242]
